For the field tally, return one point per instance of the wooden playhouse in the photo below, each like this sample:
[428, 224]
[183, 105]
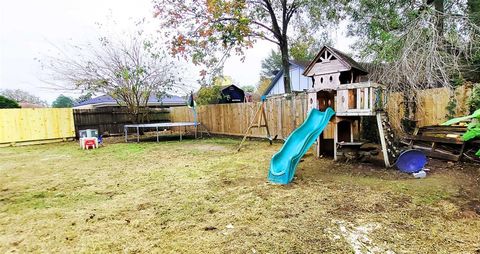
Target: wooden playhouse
[341, 83]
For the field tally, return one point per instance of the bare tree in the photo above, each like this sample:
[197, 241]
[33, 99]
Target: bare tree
[426, 58]
[436, 47]
[22, 96]
[131, 71]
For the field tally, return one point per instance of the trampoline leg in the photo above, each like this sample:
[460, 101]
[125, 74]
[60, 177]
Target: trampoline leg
[138, 135]
[180, 135]
[157, 133]
[125, 130]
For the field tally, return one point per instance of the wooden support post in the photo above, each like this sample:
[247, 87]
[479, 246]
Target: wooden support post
[335, 138]
[266, 123]
[294, 112]
[382, 140]
[351, 131]
[138, 134]
[359, 98]
[280, 118]
[366, 98]
[372, 92]
[319, 144]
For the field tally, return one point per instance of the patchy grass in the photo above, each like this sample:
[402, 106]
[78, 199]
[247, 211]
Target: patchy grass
[201, 196]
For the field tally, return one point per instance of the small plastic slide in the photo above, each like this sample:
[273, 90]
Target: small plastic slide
[285, 161]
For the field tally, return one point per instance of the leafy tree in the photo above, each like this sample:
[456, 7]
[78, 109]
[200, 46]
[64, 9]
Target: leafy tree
[8, 103]
[474, 99]
[306, 44]
[63, 101]
[209, 95]
[303, 48]
[272, 64]
[474, 16]
[22, 96]
[248, 89]
[222, 80]
[208, 31]
[263, 84]
[129, 69]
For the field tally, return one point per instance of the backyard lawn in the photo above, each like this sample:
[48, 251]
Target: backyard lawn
[200, 196]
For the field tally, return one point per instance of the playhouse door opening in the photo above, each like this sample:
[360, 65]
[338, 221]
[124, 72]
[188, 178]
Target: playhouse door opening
[326, 146]
[325, 100]
[344, 131]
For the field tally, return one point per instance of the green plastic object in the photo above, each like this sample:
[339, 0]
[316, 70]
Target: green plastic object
[285, 161]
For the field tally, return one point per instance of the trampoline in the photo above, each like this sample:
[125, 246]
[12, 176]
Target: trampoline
[161, 125]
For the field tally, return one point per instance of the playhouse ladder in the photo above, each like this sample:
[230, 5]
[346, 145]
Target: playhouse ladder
[259, 117]
[389, 149]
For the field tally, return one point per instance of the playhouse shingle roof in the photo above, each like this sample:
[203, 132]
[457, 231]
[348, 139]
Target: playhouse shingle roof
[348, 59]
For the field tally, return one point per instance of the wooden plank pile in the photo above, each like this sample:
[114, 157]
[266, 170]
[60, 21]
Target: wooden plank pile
[442, 142]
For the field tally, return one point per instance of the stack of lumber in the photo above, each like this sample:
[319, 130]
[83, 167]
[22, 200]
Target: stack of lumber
[442, 142]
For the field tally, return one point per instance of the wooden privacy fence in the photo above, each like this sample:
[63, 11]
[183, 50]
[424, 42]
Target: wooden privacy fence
[233, 119]
[432, 105]
[284, 115]
[35, 125]
[111, 120]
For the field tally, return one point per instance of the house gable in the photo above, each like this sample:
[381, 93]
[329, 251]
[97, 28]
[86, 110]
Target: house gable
[330, 60]
[232, 94]
[298, 81]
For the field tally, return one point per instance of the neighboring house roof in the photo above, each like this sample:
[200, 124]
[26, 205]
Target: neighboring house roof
[107, 100]
[274, 81]
[227, 86]
[300, 64]
[342, 57]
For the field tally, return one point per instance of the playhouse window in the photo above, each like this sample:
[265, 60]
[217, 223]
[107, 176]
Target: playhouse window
[345, 77]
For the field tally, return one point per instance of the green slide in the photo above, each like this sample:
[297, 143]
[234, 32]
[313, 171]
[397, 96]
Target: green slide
[285, 161]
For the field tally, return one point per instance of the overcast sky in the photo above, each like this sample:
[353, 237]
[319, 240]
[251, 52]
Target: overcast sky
[29, 29]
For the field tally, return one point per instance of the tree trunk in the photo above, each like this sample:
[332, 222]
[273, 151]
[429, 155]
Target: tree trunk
[440, 10]
[286, 66]
[439, 7]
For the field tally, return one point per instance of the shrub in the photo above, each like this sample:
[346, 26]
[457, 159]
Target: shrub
[8, 103]
[209, 95]
[474, 100]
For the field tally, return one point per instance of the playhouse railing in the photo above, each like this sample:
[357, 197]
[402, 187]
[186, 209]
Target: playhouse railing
[359, 99]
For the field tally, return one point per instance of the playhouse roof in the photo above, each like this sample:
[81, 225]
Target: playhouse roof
[342, 57]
